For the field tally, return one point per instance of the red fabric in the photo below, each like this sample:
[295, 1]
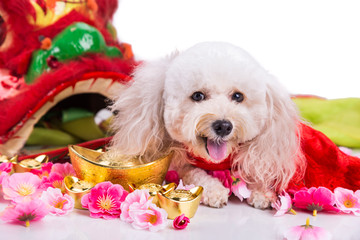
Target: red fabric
[327, 165]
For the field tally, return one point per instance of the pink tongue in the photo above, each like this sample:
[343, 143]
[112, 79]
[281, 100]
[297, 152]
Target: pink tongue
[216, 151]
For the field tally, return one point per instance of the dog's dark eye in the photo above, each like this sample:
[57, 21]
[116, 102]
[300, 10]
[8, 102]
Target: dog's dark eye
[198, 96]
[238, 97]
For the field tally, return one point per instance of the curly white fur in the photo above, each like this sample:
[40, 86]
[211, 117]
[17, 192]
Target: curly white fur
[156, 114]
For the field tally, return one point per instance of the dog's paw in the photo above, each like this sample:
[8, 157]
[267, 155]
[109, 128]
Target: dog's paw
[261, 200]
[215, 196]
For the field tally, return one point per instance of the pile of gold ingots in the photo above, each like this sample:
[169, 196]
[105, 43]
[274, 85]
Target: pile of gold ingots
[91, 169]
[25, 165]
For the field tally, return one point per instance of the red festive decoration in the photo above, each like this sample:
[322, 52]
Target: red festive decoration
[28, 27]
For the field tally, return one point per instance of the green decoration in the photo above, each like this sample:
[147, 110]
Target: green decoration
[74, 41]
[339, 119]
[50, 137]
[83, 128]
[71, 114]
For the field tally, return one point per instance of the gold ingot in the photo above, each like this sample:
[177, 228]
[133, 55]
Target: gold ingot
[28, 164]
[77, 189]
[4, 159]
[89, 166]
[180, 201]
[154, 189]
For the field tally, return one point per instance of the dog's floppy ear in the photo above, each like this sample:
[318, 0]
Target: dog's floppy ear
[139, 125]
[273, 157]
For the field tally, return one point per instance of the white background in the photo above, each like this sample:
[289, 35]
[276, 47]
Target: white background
[312, 46]
[237, 220]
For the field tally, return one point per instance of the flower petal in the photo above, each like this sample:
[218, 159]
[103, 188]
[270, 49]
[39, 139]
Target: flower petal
[323, 196]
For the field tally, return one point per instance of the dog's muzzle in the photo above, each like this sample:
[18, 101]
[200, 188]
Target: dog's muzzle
[217, 148]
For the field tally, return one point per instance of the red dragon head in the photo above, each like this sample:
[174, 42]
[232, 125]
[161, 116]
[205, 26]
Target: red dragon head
[51, 51]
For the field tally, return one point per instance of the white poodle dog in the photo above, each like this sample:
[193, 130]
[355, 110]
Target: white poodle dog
[216, 108]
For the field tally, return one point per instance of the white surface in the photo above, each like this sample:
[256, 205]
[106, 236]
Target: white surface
[311, 46]
[235, 221]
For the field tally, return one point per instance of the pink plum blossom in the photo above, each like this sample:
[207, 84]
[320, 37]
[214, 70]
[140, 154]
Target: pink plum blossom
[172, 177]
[181, 222]
[57, 203]
[104, 200]
[239, 188]
[5, 169]
[186, 187]
[44, 171]
[54, 180]
[135, 197]
[315, 199]
[283, 205]
[25, 212]
[2, 176]
[306, 232]
[224, 177]
[21, 186]
[64, 169]
[347, 201]
[148, 216]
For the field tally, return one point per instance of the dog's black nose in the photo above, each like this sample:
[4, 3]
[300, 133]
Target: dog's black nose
[222, 128]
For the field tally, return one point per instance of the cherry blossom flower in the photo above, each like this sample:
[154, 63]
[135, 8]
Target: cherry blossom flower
[25, 212]
[135, 197]
[186, 187]
[148, 216]
[306, 232]
[172, 177]
[224, 177]
[56, 177]
[283, 205]
[5, 169]
[315, 200]
[57, 203]
[2, 176]
[55, 180]
[21, 186]
[139, 210]
[64, 169]
[44, 171]
[181, 222]
[239, 188]
[347, 201]
[104, 200]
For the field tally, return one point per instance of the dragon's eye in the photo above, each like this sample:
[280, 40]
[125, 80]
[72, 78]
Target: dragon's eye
[53, 62]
